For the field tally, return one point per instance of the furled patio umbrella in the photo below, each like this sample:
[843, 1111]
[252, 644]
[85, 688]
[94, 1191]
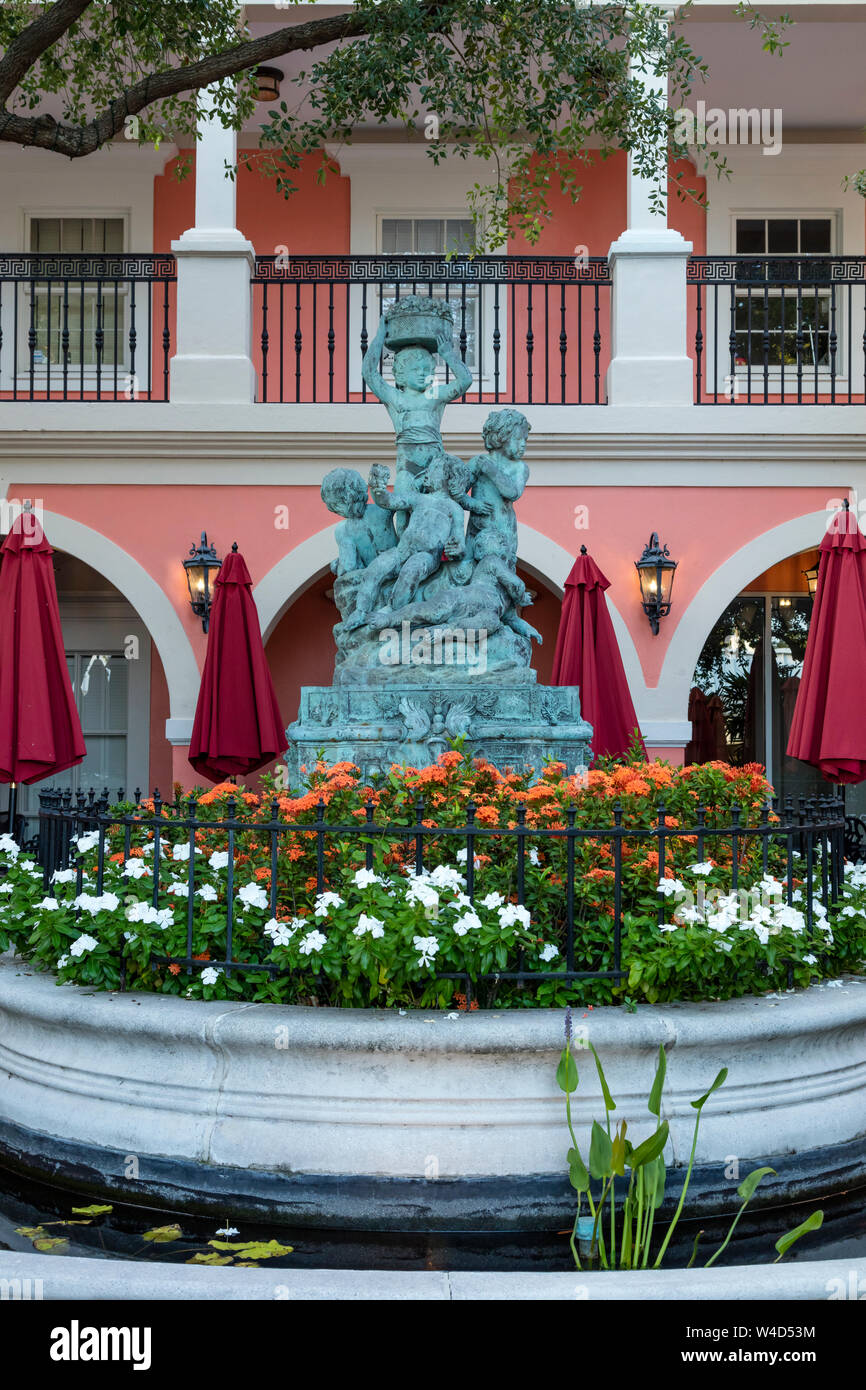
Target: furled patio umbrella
[40, 732]
[237, 726]
[587, 655]
[828, 729]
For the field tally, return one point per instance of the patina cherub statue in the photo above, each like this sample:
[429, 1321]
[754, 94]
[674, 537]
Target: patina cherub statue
[498, 478]
[435, 528]
[368, 529]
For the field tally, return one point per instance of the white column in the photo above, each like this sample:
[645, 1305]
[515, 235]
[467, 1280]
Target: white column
[649, 362]
[214, 265]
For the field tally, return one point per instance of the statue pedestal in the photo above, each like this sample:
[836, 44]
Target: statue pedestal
[518, 724]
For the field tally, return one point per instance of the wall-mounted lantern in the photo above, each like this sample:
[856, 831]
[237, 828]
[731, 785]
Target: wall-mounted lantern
[811, 576]
[656, 573]
[201, 567]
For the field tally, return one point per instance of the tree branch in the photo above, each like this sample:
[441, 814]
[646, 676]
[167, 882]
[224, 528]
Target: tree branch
[76, 141]
[33, 41]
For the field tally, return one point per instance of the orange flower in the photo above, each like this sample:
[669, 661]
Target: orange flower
[174, 969]
[450, 759]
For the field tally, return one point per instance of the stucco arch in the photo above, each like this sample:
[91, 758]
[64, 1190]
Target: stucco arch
[723, 585]
[147, 598]
[288, 579]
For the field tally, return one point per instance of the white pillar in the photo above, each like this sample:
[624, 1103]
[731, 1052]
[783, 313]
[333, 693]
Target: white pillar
[649, 362]
[214, 295]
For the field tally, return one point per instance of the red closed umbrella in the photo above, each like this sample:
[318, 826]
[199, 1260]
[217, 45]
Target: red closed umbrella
[828, 729]
[40, 732]
[587, 655]
[237, 725]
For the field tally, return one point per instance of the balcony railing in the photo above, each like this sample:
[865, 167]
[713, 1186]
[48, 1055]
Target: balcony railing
[532, 329]
[778, 330]
[86, 327]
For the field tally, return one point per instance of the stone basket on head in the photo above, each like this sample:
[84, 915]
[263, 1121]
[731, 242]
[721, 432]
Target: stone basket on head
[415, 321]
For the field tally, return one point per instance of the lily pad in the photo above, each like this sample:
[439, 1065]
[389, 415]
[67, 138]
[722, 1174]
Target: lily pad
[162, 1235]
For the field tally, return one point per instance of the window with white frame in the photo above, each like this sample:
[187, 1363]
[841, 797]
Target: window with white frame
[771, 316]
[437, 236]
[68, 314]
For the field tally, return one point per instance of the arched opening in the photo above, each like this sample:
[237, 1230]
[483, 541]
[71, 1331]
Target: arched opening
[747, 677]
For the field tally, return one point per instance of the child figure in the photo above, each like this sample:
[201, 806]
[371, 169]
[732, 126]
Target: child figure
[498, 479]
[367, 530]
[435, 528]
[416, 400]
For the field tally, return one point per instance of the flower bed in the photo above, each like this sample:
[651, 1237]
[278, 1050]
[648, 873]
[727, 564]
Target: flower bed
[325, 902]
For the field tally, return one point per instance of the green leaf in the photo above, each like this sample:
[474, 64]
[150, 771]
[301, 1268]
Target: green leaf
[812, 1223]
[747, 1187]
[48, 1244]
[91, 1211]
[566, 1073]
[577, 1174]
[618, 1151]
[599, 1152]
[253, 1249]
[212, 1258]
[650, 1149]
[161, 1235]
[654, 1104]
[719, 1081]
[609, 1102]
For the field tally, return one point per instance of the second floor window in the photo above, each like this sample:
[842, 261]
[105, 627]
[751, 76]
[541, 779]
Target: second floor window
[781, 315]
[437, 236]
[77, 322]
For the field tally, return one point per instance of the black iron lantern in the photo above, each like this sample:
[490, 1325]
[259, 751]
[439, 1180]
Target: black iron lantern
[201, 567]
[811, 576]
[656, 573]
[268, 83]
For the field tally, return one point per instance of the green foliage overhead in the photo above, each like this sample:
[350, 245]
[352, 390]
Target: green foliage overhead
[536, 90]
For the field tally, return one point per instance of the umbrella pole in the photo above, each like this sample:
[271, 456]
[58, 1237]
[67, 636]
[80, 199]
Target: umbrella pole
[13, 798]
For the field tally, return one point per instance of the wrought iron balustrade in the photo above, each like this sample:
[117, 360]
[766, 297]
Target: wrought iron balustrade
[86, 327]
[778, 330]
[532, 329]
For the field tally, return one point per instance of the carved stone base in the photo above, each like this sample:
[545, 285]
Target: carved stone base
[521, 725]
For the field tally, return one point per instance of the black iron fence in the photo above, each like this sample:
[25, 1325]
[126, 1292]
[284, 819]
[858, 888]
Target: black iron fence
[86, 327]
[531, 329]
[787, 330]
[805, 843]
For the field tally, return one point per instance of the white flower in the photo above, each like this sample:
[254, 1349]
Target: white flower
[685, 915]
[810, 960]
[420, 891]
[207, 893]
[90, 902]
[180, 852]
[228, 1231]
[144, 912]
[210, 975]
[445, 877]
[82, 944]
[63, 962]
[253, 895]
[180, 890]
[549, 952]
[281, 933]
[219, 859]
[702, 869]
[136, 868]
[323, 902]
[88, 841]
[428, 946]
[29, 865]
[365, 878]
[7, 888]
[511, 913]
[492, 900]
[762, 933]
[462, 857]
[63, 876]
[313, 941]
[48, 905]
[667, 927]
[371, 925]
[9, 846]
[724, 945]
[670, 886]
[468, 922]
